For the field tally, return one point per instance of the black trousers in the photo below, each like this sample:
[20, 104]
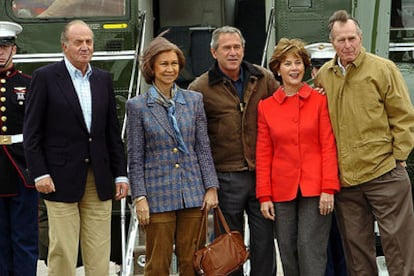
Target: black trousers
[237, 194]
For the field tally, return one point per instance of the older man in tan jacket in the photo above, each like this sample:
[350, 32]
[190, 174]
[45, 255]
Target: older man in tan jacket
[373, 121]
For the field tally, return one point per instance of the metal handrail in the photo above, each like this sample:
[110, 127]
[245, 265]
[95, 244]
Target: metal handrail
[127, 262]
[268, 33]
[138, 50]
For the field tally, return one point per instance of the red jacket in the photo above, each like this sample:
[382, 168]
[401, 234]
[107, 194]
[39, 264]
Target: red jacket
[295, 147]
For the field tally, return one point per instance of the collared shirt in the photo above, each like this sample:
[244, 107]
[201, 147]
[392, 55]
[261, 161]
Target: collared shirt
[238, 84]
[343, 69]
[83, 90]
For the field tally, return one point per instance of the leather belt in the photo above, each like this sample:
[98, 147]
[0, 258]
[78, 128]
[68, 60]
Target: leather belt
[11, 139]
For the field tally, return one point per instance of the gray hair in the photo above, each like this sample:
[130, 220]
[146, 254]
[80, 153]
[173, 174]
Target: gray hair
[225, 30]
[342, 16]
[64, 34]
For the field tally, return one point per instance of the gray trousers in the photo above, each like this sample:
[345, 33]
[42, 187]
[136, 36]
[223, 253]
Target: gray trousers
[302, 234]
[386, 199]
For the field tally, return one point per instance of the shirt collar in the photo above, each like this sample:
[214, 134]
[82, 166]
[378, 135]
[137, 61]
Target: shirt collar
[355, 63]
[343, 68]
[8, 73]
[241, 75]
[74, 72]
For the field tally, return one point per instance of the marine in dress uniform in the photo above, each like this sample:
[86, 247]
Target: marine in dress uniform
[320, 53]
[18, 196]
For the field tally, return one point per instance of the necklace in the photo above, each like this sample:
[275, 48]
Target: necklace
[290, 93]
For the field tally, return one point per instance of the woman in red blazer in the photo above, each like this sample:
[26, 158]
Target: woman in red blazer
[297, 173]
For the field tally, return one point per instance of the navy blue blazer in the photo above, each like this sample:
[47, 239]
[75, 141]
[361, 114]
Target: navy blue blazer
[171, 179]
[57, 141]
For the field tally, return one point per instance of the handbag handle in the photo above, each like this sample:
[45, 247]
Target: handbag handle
[203, 224]
[218, 215]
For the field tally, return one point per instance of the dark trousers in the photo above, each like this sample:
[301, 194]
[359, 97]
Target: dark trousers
[386, 199]
[19, 233]
[302, 234]
[237, 194]
[335, 265]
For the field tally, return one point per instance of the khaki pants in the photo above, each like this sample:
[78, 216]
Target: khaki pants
[166, 229]
[87, 221]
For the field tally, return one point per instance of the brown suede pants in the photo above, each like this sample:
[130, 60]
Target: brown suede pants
[179, 228]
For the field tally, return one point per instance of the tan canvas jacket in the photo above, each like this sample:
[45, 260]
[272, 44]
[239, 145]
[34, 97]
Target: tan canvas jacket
[371, 114]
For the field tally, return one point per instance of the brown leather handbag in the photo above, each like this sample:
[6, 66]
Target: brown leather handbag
[225, 254]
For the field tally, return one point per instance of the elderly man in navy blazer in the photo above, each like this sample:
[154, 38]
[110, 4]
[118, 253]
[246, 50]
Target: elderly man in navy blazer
[75, 153]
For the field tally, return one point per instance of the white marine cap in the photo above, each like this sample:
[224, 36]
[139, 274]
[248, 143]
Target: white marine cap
[8, 32]
[320, 53]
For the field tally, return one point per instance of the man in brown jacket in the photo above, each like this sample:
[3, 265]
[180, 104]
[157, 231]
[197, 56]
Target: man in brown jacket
[232, 89]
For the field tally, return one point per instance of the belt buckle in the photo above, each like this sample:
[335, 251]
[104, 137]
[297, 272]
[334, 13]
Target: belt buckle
[5, 140]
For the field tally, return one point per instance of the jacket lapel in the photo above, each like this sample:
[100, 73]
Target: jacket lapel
[68, 91]
[160, 115]
[94, 82]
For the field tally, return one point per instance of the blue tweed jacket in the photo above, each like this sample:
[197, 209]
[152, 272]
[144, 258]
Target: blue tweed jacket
[170, 179]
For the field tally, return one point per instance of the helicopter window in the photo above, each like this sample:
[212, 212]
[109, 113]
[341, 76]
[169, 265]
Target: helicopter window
[402, 31]
[67, 8]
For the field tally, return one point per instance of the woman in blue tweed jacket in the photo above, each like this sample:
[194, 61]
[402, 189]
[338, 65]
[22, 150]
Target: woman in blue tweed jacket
[171, 171]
